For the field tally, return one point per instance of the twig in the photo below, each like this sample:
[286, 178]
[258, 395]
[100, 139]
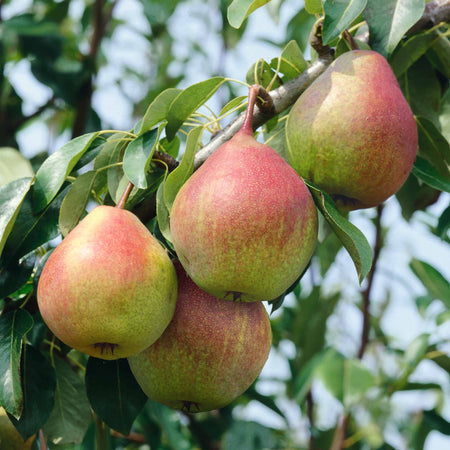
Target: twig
[310, 411]
[339, 435]
[367, 292]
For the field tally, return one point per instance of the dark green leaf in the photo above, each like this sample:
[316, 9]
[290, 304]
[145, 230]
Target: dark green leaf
[444, 223]
[39, 384]
[170, 147]
[53, 172]
[436, 422]
[351, 237]
[114, 393]
[389, 20]
[11, 198]
[138, 156]
[239, 10]
[248, 435]
[16, 274]
[180, 175]
[435, 283]
[425, 172]
[32, 230]
[422, 89]
[433, 146]
[188, 101]
[13, 327]
[339, 14]
[411, 51]
[71, 413]
[74, 204]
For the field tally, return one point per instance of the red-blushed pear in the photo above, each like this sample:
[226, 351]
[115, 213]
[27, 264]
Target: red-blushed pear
[10, 438]
[244, 225]
[210, 353]
[352, 133]
[109, 288]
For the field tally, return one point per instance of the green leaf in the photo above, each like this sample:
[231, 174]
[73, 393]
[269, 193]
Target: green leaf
[234, 103]
[33, 230]
[13, 327]
[39, 384]
[262, 73]
[291, 61]
[71, 414]
[443, 225]
[248, 436]
[239, 10]
[158, 109]
[11, 197]
[339, 14]
[13, 165]
[181, 174]
[347, 379]
[436, 422]
[351, 237]
[172, 147]
[411, 51]
[138, 156]
[435, 283]
[188, 101]
[74, 204]
[389, 20]
[162, 214]
[114, 393]
[313, 6]
[53, 172]
[424, 171]
[433, 146]
[16, 274]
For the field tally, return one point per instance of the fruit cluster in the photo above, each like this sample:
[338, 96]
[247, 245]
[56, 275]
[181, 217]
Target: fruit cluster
[244, 227]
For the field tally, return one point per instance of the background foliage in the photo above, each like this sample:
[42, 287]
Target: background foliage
[354, 365]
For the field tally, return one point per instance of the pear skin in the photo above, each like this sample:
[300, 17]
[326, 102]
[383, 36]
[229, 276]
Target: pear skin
[109, 289]
[210, 353]
[352, 132]
[244, 225]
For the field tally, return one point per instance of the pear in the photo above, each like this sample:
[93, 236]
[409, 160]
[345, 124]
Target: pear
[352, 133]
[109, 288]
[244, 225]
[210, 353]
[10, 438]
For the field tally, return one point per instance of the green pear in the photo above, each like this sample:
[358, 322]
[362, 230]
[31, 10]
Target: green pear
[109, 289]
[352, 133]
[10, 438]
[244, 225]
[210, 353]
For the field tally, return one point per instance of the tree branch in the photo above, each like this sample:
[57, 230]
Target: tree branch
[435, 13]
[282, 98]
[101, 20]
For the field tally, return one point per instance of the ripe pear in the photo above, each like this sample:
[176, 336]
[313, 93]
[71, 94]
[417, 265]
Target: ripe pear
[10, 438]
[109, 289]
[210, 353]
[352, 133]
[244, 225]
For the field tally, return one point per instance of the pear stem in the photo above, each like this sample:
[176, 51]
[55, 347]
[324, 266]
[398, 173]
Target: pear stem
[125, 195]
[248, 119]
[350, 40]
